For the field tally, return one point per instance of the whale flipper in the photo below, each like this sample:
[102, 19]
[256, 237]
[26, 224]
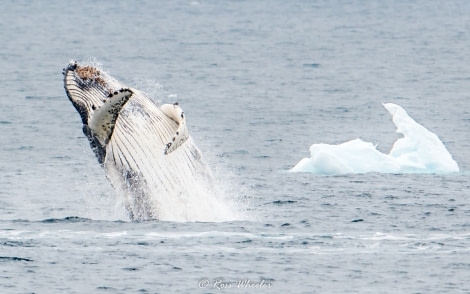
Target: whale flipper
[175, 112]
[103, 119]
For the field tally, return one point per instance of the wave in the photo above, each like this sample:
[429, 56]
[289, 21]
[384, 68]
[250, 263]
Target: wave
[67, 219]
[14, 258]
[418, 151]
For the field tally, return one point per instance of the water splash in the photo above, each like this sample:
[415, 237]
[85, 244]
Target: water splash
[419, 151]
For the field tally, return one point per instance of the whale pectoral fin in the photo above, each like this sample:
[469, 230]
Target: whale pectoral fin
[103, 119]
[179, 138]
[174, 112]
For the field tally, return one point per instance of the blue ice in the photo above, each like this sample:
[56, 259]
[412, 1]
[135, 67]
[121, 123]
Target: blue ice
[418, 151]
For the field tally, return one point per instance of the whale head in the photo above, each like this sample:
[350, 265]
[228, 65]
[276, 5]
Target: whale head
[99, 99]
[87, 88]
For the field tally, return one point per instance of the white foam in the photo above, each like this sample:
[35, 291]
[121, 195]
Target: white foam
[113, 234]
[419, 151]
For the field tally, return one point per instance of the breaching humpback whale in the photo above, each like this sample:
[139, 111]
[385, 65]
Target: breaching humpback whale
[145, 148]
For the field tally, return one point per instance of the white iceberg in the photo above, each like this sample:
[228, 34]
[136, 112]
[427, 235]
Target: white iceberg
[419, 151]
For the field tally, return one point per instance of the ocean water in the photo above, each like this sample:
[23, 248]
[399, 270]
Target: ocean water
[259, 81]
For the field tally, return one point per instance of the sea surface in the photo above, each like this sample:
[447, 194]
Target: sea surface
[259, 81]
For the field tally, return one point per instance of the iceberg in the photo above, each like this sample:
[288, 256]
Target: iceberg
[418, 151]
